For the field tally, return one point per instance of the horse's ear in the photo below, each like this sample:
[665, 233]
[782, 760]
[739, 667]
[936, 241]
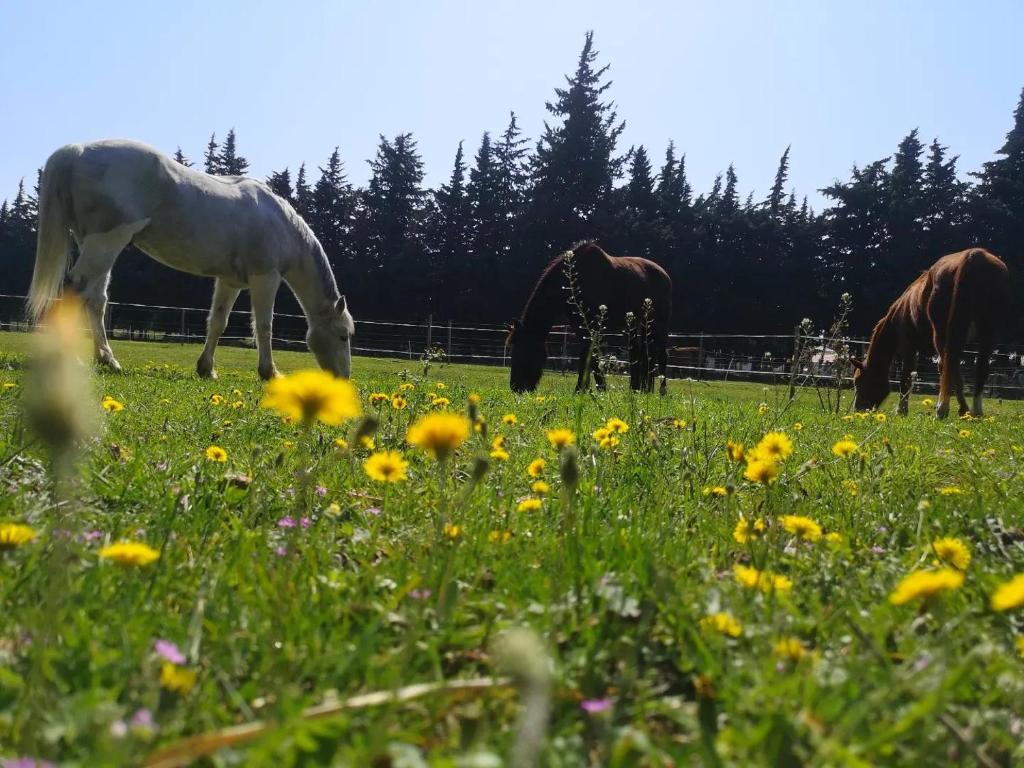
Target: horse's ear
[341, 306]
[857, 363]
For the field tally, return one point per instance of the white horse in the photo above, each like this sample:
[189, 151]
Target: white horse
[107, 194]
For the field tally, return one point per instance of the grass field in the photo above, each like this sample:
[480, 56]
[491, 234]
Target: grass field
[287, 578]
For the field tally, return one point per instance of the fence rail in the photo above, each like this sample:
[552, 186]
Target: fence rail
[729, 356]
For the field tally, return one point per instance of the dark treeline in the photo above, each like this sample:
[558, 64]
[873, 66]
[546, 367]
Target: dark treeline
[472, 248]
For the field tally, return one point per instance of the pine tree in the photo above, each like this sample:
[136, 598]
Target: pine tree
[391, 227]
[999, 205]
[450, 235]
[179, 157]
[280, 183]
[331, 210]
[673, 189]
[906, 199]
[575, 163]
[943, 203]
[231, 163]
[211, 161]
[640, 188]
[781, 175]
[730, 201]
[303, 194]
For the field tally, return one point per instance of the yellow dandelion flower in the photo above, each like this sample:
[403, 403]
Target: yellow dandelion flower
[509, 420]
[452, 532]
[880, 417]
[499, 537]
[844, 448]
[386, 467]
[950, 490]
[617, 426]
[925, 584]
[498, 441]
[440, 403]
[600, 433]
[716, 490]
[762, 409]
[965, 433]
[797, 427]
[341, 443]
[1019, 642]
[789, 649]
[110, 405]
[313, 395]
[847, 417]
[237, 404]
[540, 398]
[441, 385]
[540, 488]
[217, 454]
[608, 443]
[528, 505]
[742, 533]
[130, 553]
[406, 386]
[559, 438]
[236, 392]
[802, 527]
[216, 399]
[7, 385]
[952, 551]
[378, 398]
[851, 487]
[474, 398]
[775, 446]
[723, 623]
[834, 538]
[439, 433]
[734, 451]
[1009, 595]
[499, 454]
[766, 581]
[761, 471]
[536, 468]
[927, 402]
[13, 535]
[177, 679]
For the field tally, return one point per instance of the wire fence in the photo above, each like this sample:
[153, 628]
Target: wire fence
[712, 356]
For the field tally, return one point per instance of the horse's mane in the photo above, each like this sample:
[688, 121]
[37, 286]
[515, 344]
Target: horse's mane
[316, 250]
[549, 272]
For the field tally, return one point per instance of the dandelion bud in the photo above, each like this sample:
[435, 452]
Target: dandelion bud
[480, 465]
[521, 655]
[473, 412]
[366, 428]
[59, 406]
[569, 469]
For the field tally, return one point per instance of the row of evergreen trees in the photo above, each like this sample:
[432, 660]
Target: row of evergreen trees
[472, 248]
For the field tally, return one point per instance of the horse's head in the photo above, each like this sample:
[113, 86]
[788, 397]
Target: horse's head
[870, 385]
[330, 339]
[529, 353]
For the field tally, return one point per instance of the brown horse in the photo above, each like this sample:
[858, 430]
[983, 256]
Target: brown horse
[573, 287]
[961, 295]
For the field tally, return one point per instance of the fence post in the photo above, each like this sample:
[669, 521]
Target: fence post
[430, 329]
[700, 358]
[183, 325]
[565, 350]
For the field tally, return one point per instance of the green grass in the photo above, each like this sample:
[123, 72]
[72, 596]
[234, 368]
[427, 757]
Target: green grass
[614, 577]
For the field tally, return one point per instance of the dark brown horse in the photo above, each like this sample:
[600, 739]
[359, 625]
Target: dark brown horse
[962, 295]
[621, 284]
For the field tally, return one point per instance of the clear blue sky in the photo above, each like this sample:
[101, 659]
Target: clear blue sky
[730, 81]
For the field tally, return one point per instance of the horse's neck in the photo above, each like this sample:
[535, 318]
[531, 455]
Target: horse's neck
[312, 282]
[884, 340]
[547, 302]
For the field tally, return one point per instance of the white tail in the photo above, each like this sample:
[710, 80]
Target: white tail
[53, 248]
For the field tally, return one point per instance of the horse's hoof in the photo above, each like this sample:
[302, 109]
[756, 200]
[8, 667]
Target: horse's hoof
[941, 413]
[109, 363]
[269, 375]
[205, 370]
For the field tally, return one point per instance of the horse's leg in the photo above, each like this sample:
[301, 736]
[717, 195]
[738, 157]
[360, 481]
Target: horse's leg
[938, 316]
[224, 297]
[584, 354]
[985, 339]
[90, 276]
[909, 363]
[663, 368]
[262, 293]
[595, 369]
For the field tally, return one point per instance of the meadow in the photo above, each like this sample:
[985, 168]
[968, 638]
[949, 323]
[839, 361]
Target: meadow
[841, 595]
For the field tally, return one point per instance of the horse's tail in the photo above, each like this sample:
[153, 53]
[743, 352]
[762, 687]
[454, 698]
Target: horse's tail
[53, 247]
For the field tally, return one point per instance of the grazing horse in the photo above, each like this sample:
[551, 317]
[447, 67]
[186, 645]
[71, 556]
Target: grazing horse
[107, 194]
[574, 286]
[961, 295]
